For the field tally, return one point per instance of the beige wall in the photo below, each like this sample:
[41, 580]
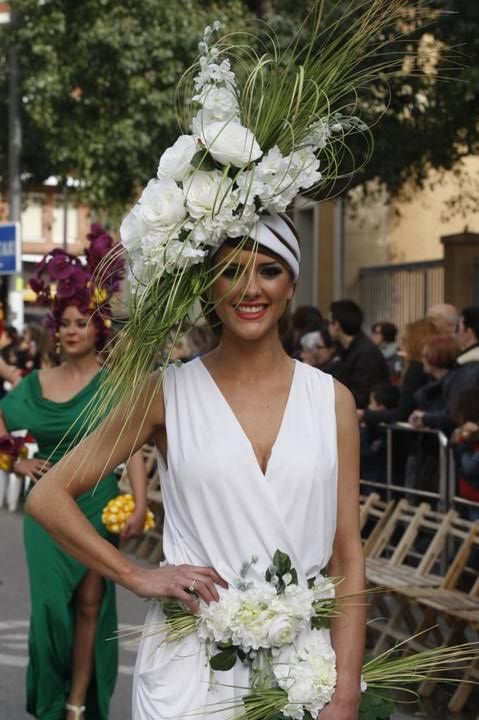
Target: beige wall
[415, 233]
[366, 238]
[410, 231]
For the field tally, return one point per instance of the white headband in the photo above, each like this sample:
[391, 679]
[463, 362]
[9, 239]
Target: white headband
[278, 234]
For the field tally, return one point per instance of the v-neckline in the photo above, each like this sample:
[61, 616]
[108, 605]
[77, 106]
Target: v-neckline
[239, 425]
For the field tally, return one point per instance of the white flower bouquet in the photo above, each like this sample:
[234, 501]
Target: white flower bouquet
[279, 629]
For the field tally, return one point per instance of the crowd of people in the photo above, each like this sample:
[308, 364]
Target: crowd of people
[427, 379]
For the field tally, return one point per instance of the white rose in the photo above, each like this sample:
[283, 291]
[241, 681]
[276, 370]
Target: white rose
[230, 143]
[220, 103]
[176, 160]
[162, 204]
[132, 230]
[281, 631]
[205, 192]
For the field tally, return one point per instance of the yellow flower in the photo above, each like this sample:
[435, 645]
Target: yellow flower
[98, 297]
[118, 510]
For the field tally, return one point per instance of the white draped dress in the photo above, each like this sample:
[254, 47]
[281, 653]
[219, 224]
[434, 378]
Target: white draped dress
[221, 509]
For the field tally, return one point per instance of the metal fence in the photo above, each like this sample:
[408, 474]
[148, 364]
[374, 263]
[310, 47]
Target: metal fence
[445, 495]
[400, 293]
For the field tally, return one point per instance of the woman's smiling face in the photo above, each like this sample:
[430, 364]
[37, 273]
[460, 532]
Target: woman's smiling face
[77, 332]
[252, 291]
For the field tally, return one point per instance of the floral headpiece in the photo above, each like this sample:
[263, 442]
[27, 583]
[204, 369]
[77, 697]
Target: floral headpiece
[77, 283]
[251, 140]
[217, 182]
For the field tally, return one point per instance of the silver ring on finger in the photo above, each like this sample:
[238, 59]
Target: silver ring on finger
[191, 588]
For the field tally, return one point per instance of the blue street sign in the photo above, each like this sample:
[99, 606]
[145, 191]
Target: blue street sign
[10, 248]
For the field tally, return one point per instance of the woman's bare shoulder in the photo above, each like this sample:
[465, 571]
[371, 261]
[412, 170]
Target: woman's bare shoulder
[344, 402]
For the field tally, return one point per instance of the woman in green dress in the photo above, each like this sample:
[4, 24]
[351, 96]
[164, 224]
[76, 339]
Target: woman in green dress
[72, 668]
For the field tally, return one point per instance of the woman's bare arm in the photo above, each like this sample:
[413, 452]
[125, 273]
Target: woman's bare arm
[52, 503]
[347, 560]
[137, 475]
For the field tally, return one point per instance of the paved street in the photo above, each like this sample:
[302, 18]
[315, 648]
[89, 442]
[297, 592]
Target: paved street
[14, 612]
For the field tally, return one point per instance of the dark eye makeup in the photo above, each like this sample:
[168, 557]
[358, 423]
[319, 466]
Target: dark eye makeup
[268, 271]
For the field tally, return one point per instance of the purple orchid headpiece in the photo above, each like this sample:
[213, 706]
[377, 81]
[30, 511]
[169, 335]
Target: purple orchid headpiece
[77, 283]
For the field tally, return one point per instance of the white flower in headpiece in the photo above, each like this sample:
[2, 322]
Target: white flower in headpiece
[249, 185]
[212, 72]
[283, 177]
[242, 223]
[272, 164]
[162, 205]
[206, 192]
[132, 230]
[305, 168]
[319, 134]
[229, 142]
[220, 103]
[176, 160]
[183, 254]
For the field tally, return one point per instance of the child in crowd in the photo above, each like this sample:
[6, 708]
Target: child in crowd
[373, 437]
[466, 447]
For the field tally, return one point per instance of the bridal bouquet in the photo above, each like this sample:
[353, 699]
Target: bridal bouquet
[279, 630]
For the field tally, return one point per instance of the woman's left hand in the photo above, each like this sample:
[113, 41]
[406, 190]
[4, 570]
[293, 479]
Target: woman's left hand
[134, 526]
[337, 710]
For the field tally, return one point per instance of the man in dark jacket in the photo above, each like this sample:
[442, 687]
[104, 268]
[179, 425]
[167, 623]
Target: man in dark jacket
[468, 337]
[362, 364]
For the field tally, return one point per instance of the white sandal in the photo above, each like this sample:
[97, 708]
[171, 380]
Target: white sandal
[77, 709]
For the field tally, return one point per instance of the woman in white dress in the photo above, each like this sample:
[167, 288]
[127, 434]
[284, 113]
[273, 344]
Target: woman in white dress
[257, 452]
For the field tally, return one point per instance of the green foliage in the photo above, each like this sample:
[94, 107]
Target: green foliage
[224, 660]
[98, 87]
[376, 705]
[282, 566]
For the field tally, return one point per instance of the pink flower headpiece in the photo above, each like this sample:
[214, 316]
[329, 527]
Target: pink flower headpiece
[76, 283]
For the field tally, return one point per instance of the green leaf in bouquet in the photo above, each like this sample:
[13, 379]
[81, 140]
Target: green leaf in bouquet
[294, 576]
[224, 660]
[282, 562]
[320, 621]
[203, 161]
[376, 705]
[224, 646]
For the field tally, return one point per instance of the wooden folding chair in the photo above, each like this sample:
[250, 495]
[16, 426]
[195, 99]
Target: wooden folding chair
[373, 515]
[456, 602]
[409, 556]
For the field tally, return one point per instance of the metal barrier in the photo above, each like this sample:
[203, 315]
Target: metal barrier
[446, 495]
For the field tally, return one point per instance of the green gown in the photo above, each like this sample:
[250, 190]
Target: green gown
[54, 575]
